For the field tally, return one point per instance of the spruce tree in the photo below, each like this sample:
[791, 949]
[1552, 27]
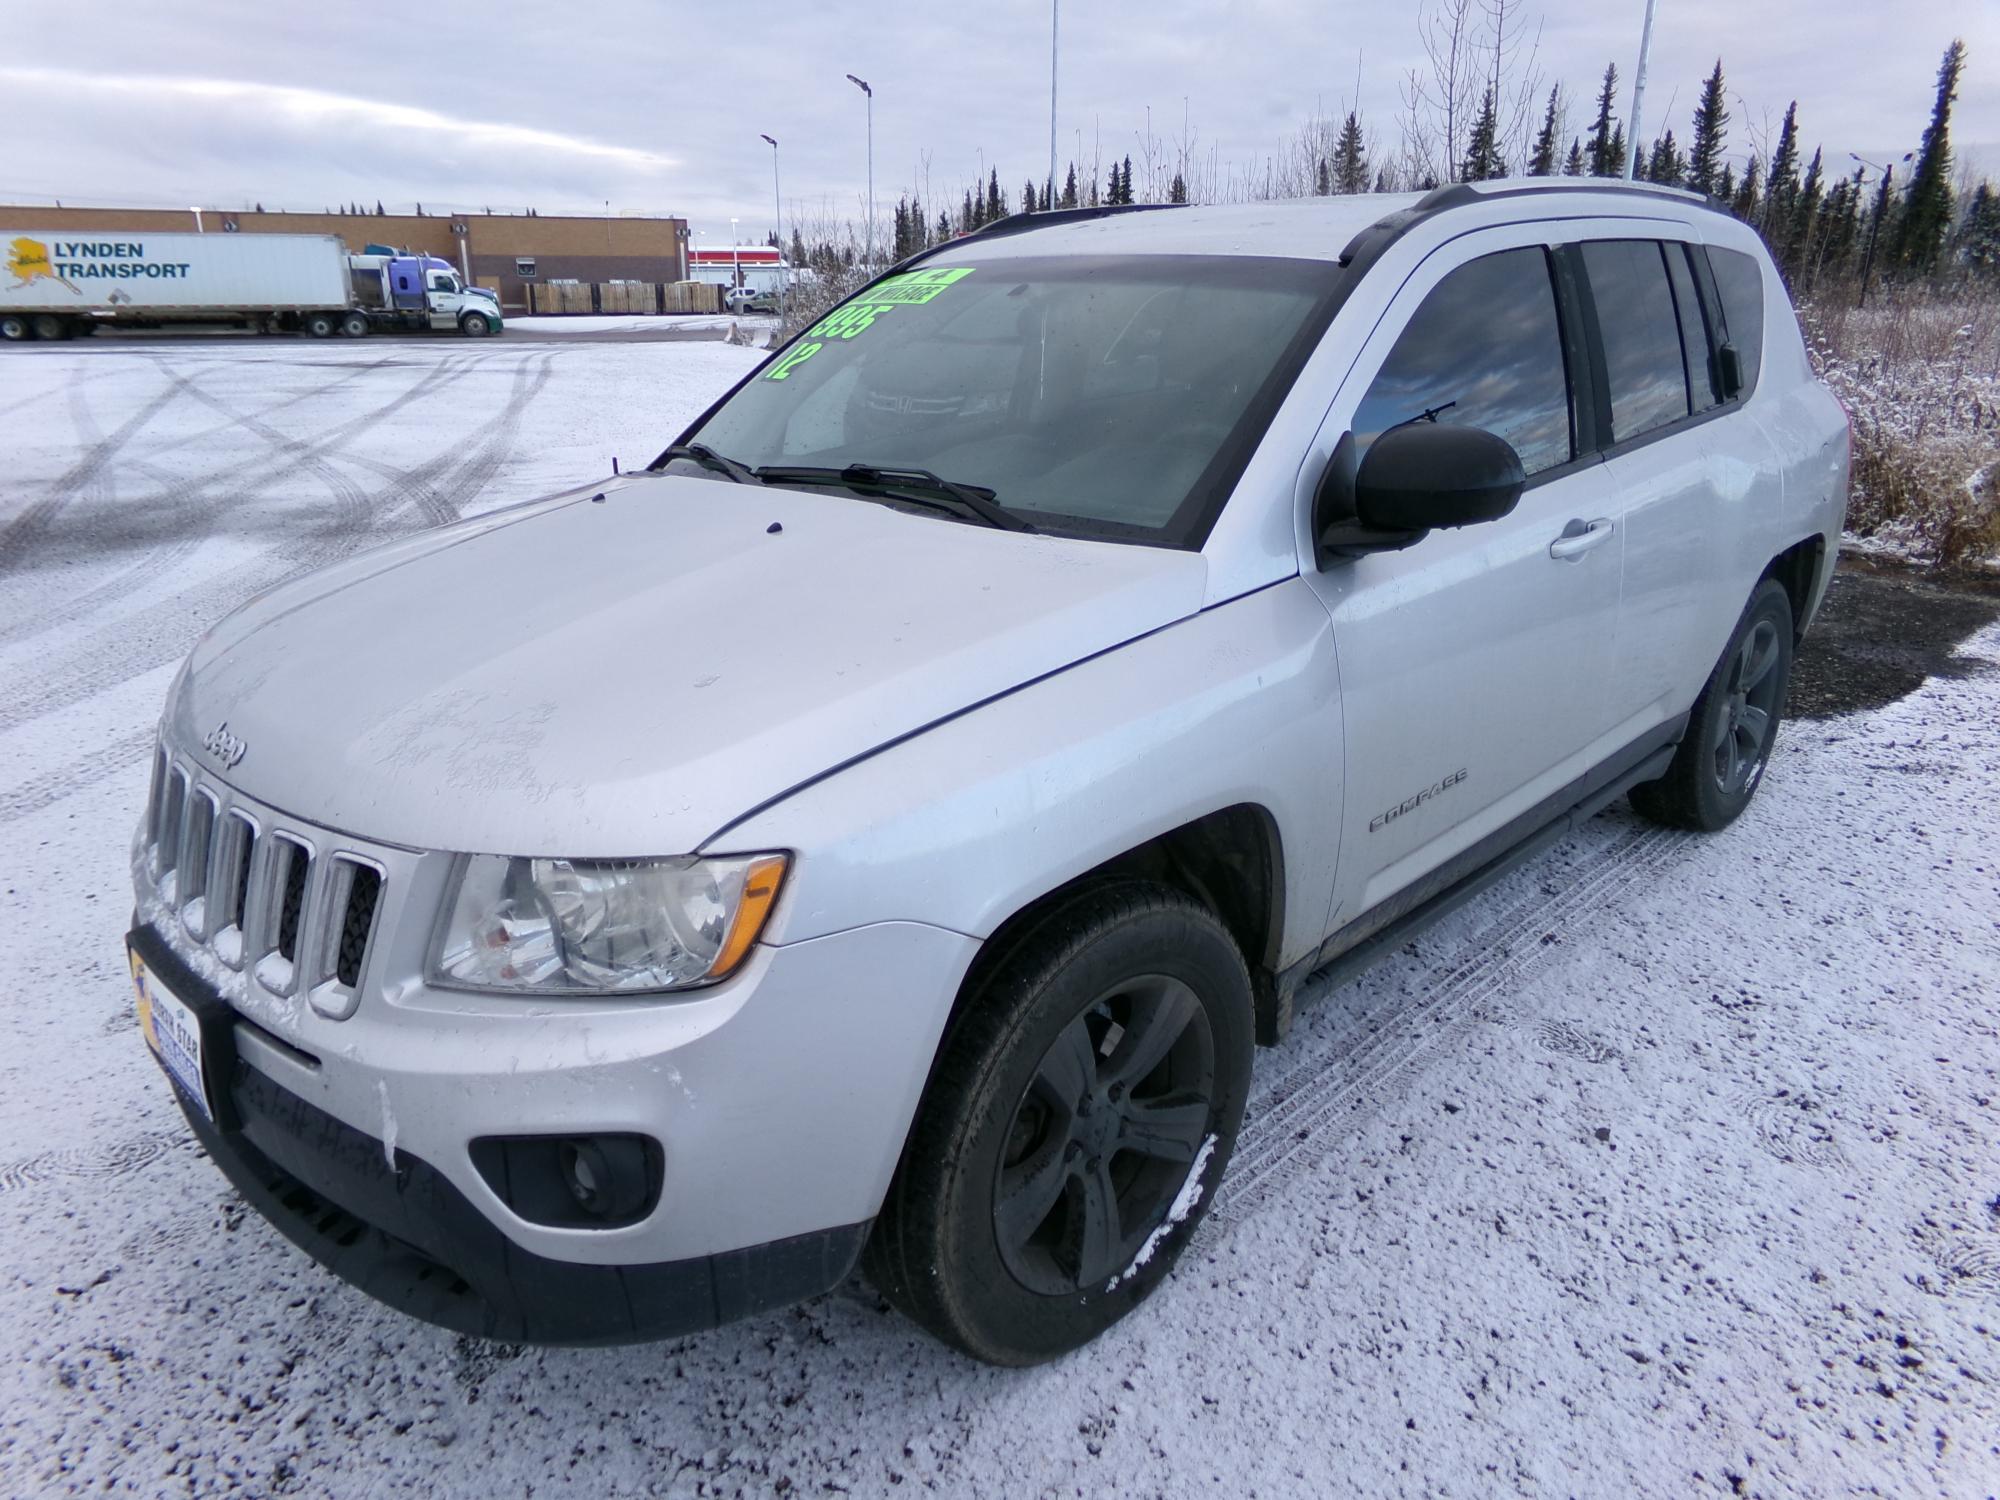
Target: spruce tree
[1600, 157]
[1323, 181]
[1128, 179]
[1350, 158]
[1666, 165]
[1543, 162]
[1805, 216]
[1744, 203]
[943, 228]
[1977, 246]
[1482, 149]
[1781, 187]
[1573, 163]
[1711, 133]
[1616, 156]
[1069, 188]
[1725, 185]
[1028, 202]
[1926, 217]
[1177, 192]
[972, 213]
[996, 202]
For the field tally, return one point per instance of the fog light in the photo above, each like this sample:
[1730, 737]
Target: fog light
[581, 1181]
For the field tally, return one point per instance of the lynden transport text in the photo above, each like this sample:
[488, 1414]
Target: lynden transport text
[77, 259]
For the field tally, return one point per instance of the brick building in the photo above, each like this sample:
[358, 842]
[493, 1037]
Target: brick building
[502, 251]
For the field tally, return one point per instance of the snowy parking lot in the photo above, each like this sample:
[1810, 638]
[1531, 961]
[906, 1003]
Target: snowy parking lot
[1671, 1165]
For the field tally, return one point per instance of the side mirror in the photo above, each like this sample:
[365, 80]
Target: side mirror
[1413, 479]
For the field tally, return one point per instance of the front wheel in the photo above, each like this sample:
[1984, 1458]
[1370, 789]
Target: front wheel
[475, 325]
[1721, 761]
[1075, 1129]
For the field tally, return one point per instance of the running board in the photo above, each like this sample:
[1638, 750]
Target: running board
[1326, 973]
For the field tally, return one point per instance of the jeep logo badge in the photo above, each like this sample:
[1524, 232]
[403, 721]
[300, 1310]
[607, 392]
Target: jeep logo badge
[224, 746]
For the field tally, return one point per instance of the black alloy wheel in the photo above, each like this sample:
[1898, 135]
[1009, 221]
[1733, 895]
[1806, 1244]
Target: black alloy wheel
[1105, 1136]
[1076, 1125]
[1733, 726]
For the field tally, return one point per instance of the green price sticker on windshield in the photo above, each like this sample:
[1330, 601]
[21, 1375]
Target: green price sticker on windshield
[911, 289]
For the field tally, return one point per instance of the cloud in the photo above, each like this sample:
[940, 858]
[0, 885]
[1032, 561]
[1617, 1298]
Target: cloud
[186, 122]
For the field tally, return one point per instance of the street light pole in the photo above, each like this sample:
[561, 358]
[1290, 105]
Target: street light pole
[868, 232]
[1055, 32]
[735, 258]
[778, 207]
[1639, 90]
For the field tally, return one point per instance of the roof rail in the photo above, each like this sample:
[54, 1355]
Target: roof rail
[1042, 218]
[1377, 237]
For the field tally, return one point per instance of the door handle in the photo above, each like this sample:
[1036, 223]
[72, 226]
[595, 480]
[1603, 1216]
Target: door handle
[1578, 538]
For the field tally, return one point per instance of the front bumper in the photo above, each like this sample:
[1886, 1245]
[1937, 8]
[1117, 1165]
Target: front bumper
[780, 1102]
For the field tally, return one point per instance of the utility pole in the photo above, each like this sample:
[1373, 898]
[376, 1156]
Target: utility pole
[1055, 33]
[197, 219]
[735, 257]
[868, 230]
[778, 205]
[1633, 146]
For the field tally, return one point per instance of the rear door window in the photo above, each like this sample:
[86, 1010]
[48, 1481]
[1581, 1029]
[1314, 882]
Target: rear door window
[1483, 349]
[1642, 337]
[1739, 281]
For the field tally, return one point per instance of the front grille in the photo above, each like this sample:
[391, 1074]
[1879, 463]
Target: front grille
[261, 898]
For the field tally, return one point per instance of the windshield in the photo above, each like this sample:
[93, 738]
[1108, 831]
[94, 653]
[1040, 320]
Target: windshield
[1110, 397]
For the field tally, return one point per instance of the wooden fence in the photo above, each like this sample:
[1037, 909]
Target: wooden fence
[641, 297]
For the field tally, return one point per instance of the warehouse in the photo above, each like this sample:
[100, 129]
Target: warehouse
[501, 251]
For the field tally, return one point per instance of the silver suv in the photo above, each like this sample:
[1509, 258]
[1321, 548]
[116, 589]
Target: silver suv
[882, 830]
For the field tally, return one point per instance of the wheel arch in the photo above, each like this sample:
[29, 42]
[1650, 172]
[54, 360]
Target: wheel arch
[1800, 568]
[1230, 860]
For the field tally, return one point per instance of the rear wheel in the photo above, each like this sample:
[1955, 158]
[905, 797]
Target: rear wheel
[14, 328]
[320, 325]
[49, 326]
[1075, 1129]
[354, 325]
[475, 325]
[1722, 760]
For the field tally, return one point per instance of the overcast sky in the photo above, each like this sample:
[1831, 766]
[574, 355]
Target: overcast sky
[657, 107]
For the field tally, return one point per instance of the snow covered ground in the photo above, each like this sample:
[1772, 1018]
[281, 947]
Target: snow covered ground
[675, 325]
[1670, 1166]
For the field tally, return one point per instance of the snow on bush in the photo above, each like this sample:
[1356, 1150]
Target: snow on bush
[1918, 370]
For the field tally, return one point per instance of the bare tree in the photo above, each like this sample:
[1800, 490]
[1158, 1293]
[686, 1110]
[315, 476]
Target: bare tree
[1441, 96]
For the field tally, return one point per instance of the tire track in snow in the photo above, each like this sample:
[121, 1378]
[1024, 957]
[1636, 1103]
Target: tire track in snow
[120, 1159]
[19, 535]
[38, 792]
[1328, 1092]
[165, 630]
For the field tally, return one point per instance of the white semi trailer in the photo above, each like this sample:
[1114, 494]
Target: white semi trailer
[56, 283]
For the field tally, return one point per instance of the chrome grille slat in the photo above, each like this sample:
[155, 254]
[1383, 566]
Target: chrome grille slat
[263, 897]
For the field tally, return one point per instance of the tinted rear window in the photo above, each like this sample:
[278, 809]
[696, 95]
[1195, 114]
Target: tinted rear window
[1739, 280]
[1642, 336]
[1484, 349]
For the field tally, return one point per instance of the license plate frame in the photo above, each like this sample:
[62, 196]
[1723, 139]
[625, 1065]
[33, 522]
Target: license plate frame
[185, 1037]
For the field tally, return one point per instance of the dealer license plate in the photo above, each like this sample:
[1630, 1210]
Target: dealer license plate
[173, 1032]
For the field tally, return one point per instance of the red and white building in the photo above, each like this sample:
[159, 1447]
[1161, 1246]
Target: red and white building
[755, 266]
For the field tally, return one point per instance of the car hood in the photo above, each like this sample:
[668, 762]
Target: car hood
[626, 675]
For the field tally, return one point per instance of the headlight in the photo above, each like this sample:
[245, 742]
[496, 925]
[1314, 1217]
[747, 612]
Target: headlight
[602, 927]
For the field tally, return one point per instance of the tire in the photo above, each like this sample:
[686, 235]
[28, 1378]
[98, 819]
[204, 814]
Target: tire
[14, 329]
[1132, 1000]
[1722, 760]
[320, 325]
[354, 325]
[475, 325]
[49, 326]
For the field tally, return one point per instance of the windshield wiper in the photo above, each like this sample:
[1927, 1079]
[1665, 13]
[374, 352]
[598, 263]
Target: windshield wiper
[708, 458]
[905, 484]
[1428, 414]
